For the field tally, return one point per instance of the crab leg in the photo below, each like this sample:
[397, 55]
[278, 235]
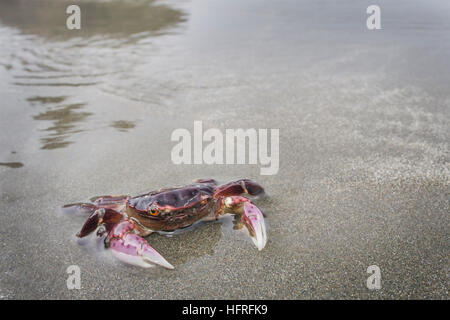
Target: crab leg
[130, 248]
[116, 203]
[112, 202]
[79, 208]
[251, 217]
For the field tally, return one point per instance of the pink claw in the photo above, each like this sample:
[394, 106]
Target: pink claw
[253, 218]
[133, 249]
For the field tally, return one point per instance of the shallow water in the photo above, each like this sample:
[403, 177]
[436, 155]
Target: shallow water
[364, 130]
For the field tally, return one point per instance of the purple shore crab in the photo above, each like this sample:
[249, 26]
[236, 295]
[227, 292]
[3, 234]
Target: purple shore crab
[125, 220]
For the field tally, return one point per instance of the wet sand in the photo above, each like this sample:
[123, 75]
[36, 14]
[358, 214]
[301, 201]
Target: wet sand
[364, 153]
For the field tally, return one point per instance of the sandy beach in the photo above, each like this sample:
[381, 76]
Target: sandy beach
[363, 118]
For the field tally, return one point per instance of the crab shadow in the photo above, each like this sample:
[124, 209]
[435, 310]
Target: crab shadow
[184, 245]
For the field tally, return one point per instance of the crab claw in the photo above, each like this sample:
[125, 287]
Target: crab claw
[133, 249]
[108, 217]
[250, 216]
[253, 219]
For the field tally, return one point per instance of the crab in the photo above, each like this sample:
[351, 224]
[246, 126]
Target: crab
[124, 221]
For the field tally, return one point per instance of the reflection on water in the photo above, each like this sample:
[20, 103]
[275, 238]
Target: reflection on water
[55, 84]
[46, 100]
[12, 164]
[123, 125]
[47, 18]
[64, 117]
[64, 120]
[105, 55]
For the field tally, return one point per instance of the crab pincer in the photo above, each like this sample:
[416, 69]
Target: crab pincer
[133, 249]
[123, 239]
[251, 217]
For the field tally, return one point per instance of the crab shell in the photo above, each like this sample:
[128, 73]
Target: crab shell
[174, 208]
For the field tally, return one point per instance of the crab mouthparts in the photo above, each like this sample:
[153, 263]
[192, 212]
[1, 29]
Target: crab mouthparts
[253, 219]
